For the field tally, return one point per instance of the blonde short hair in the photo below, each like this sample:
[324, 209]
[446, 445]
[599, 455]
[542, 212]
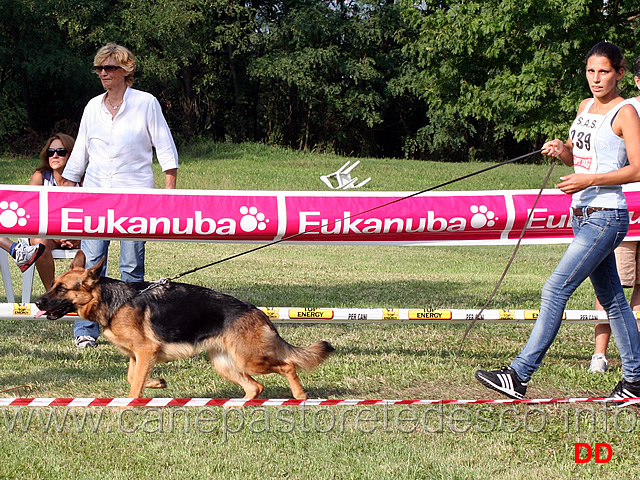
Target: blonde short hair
[123, 56]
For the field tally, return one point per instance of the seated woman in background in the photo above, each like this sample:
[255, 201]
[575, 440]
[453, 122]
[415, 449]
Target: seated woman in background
[54, 157]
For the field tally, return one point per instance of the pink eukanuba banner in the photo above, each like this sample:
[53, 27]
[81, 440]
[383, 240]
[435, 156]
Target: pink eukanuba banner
[434, 218]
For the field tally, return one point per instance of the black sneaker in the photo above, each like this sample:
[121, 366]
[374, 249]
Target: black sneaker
[504, 381]
[624, 390]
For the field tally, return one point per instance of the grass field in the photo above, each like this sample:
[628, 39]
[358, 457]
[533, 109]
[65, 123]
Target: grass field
[371, 361]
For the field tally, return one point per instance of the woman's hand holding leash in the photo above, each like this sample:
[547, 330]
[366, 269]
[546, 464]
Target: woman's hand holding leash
[553, 148]
[571, 183]
[556, 148]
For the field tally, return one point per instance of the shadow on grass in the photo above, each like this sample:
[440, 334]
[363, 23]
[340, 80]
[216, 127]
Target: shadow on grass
[374, 294]
[105, 368]
[93, 378]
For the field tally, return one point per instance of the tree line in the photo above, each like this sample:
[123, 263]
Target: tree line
[431, 79]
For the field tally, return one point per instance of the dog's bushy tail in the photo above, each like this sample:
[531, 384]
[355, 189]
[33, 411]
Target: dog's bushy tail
[308, 358]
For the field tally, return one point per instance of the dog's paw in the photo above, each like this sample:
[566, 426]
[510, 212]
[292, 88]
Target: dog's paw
[156, 382]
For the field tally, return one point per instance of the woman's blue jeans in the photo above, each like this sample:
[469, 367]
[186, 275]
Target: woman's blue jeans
[590, 254]
[131, 270]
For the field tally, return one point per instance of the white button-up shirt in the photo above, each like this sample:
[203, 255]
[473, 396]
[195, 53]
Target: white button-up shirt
[119, 151]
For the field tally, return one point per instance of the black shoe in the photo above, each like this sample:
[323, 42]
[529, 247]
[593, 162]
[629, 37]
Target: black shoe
[504, 381]
[624, 390]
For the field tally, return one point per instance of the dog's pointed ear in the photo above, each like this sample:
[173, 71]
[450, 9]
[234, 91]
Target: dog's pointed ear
[79, 260]
[95, 271]
[93, 274]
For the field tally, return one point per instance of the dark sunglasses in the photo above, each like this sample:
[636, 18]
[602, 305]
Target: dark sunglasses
[62, 152]
[106, 68]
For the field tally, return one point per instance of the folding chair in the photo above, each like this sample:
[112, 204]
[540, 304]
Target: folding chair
[343, 178]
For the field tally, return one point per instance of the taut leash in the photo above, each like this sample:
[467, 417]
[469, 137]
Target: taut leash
[284, 239]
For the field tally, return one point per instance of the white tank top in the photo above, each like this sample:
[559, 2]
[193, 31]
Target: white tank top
[597, 149]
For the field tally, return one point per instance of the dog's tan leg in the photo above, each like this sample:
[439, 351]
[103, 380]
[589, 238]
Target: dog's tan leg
[141, 367]
[252, 389]
[154, 382]
[132, 366]
[225, 366]
[289, 372]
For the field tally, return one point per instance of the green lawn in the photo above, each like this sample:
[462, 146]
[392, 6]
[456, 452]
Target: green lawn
[371, 361]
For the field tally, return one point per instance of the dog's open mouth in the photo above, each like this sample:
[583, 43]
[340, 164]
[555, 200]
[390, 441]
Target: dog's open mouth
[55, 313]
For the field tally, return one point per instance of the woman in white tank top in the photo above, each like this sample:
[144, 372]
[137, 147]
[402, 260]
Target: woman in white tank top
[604, 149]
[628, 262]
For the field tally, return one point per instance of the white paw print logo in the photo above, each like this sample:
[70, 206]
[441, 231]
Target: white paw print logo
[482, 216]
[252, 219]
[11, 214]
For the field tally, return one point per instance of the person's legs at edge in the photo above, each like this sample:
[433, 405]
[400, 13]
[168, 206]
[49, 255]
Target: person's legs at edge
[621, 319]
[132, 260]
[628, 265]
[85, 332]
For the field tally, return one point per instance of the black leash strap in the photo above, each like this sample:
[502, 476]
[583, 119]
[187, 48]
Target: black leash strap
[513, 255]
[512, 160]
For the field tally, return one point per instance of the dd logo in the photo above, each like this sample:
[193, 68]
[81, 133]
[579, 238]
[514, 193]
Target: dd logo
[585, 448]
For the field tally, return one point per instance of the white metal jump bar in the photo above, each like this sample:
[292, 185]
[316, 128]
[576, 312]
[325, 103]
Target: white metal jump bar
[28, 311]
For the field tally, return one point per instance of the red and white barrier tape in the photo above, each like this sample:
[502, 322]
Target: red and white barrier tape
[271, 402]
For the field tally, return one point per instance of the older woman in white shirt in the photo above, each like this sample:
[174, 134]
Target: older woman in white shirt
[114, 149]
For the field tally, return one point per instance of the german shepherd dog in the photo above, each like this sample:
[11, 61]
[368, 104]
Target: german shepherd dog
[177, 320]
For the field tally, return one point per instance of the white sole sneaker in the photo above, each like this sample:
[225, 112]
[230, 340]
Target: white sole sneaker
[599, 363]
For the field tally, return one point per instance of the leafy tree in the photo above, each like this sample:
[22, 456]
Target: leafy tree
[324, 73]
[39, 73]
[431, 79]
[495, 72]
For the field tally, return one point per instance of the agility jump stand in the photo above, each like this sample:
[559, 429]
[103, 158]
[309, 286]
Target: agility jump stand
[312, 315]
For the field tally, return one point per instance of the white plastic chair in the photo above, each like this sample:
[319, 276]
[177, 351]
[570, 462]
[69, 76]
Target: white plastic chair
[343, 178]
[27, 277]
